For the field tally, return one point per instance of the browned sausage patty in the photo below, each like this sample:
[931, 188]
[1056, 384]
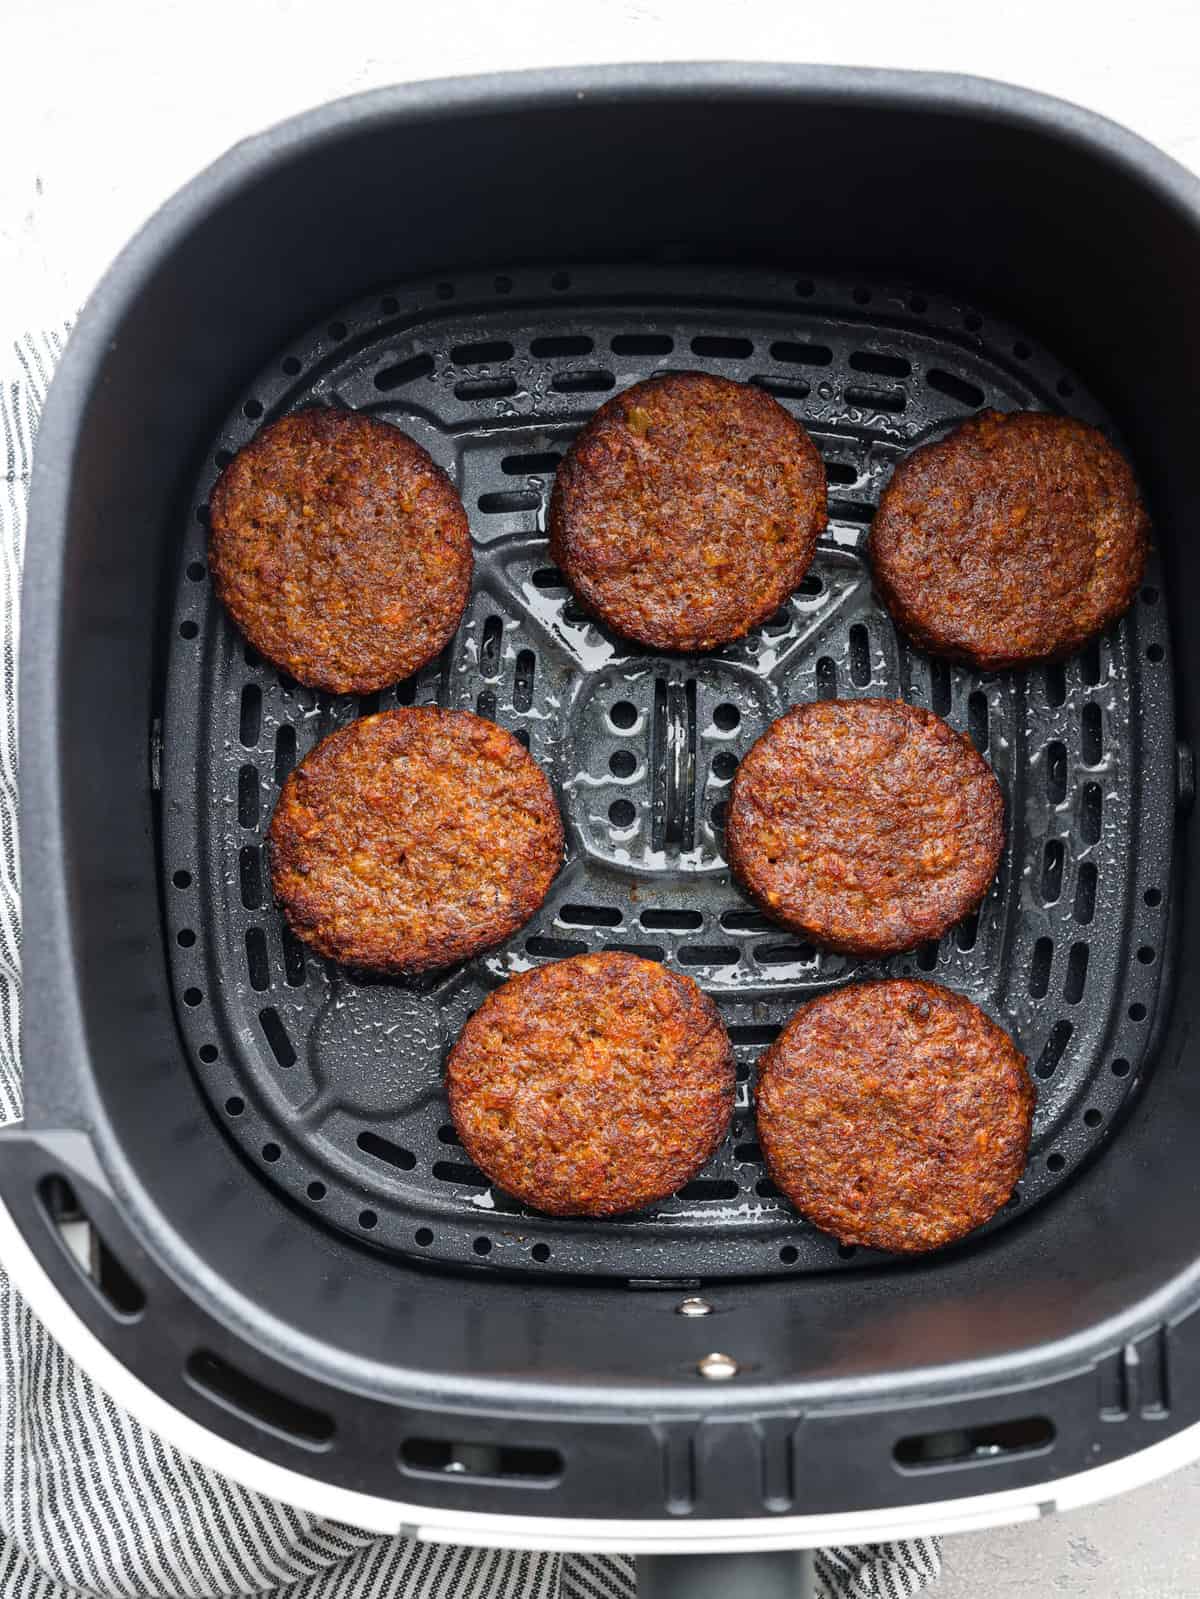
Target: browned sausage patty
[413, 839]
[867, 825]
[687, 510]
[1012, 540]
[594, 1086]
[895, 1115]
[341, 550]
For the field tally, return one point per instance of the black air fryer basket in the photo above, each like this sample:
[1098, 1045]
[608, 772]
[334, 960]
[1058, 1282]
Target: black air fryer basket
[288, 1245]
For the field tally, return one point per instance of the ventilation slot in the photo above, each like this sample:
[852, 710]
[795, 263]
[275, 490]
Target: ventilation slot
[841, 472]
[876, 399]
[485, 705]
[879, 365]
[383, 1149]
[755, 1032]
[487, 353]
[276, 1036]
[968, 932]
[285, 752]
[530, 465]
[549, 580]
[1085, 893]
[504, 501]
[293, 957]
[968, 394]
[526, 665]
[248, 796]
[459, 1172]
[555, 948]
[939, 687]
[1039, 968]
[395, 377]
[646, 952]
[1056, 682]
[1091, 813]
[860, 656]
[85, 1247]
[710, 1188]
[258, 966]
[792, 354]
[250, 877]
[485, 388]
[515, 1465]
[1052, 870]
[747, 922]
[977, 720]
[1056, 772]
[642, 344]
[927, 956]
[709, 955]
[722, 348]
[590, 915]
[1076, 978]
[563, 344]
[489, 648]
[583, 382]
[252, 1401]
[786, 953]
[781, 388]
[250, 721]
[368, 704]
[826, 679]
[1089, 663]
[748, 1154]
[406, 692]
[1052, 1050]
[974, 1446]
[1091, 735]
[680, 921]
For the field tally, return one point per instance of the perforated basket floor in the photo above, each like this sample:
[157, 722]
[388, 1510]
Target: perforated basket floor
[331, 1084]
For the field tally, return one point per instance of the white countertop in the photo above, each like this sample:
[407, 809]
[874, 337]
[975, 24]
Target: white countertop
[106, 108]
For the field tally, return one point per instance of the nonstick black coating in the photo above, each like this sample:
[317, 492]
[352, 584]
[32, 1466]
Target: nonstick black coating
[331, 1083]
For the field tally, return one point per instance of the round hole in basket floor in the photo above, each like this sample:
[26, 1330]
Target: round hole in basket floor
[622, 763]
[235, 1104]
[540, 1251]
[1137, 1013]
[315, 1190]
[208, 1053]
[185, 937]
[368, 1219]
[724, 765]
[1092, 1118]
[290, 365]
[1146, 955]
[252, 409]
[623, 715]
[1155, 653]
[1120, 1068]
[847, 1251]
[188, 629]
[622, 813]
[271, 1152]
[789, 1254]
[1153, 896]
[195, 571]
[482, 1246]
[1055, 1162]
[726, 717]
[182, 879]
[423, 1236]
[192, 996]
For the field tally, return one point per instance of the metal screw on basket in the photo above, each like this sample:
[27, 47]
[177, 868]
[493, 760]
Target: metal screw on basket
[718, 1368]
[693, 1307]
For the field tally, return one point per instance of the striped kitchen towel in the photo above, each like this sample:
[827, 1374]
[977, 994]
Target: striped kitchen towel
[91, 1503]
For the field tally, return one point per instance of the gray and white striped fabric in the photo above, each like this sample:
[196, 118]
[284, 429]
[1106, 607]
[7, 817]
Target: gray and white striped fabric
[91, 1503]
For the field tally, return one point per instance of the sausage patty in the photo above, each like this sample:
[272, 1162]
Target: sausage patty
[593, 1086]
[869, 826]
[895, 1115]
[341, 550]
[413, 839]
[1012, 540]
[687, 510]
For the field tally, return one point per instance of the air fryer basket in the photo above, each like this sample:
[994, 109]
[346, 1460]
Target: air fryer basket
[288, 1246]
